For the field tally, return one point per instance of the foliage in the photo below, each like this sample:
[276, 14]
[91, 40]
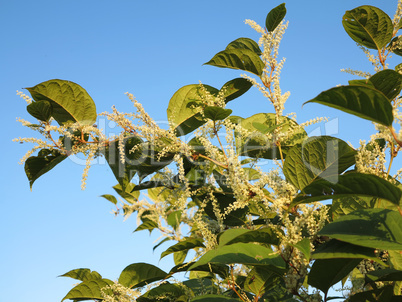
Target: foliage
[240, 232]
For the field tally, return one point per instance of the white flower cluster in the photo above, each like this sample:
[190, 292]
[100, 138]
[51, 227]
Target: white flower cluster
[119, 293]
[371, 160]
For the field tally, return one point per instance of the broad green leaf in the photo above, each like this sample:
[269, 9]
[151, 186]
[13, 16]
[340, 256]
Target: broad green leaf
[179, 257]
[257, 144]
[140, 274]
[36, 166]
[245, 43]
[264, 235]
[304, 247]
[387, 274]
[364, 102]
[220, 269]
[384, 293]
[368, 26]
[275, 16]
[235, 88]
[373, 228]
[361, 83]
[128, 194]
[395, 258]
[69, 101]
[345, 205]
[214, 298]
[83, 274]
[184, 245]
[242, 253]
[243, 59]
[339, 249]
[201, 285]
[326, 272]
[109, 197]
[389, 82]
[89, 290]
[349, 185]
[41, 110]
[317, 157]
[148, 224]
[161, 291]
[260, 280]
[216, 113]
[173, 219]
[185, 107]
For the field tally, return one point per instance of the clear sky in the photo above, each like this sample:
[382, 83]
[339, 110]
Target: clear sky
[151, 49]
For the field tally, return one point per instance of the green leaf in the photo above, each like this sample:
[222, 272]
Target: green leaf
[388, 81]
[245, 43]
[243, 253]
[345, 205]
[216, 113]
[349, 185]
[235, 88]
[36, 166]
[109, 197]
[364, 102]
[220, 269]
[83, 274]
[69, 101]
[387, 274]
[317, 157]
[185, 107]
[264, 235]
[128, 194]
[214, 298]
[161, 291]
[304, 247]
[260, 280]
[374, 228]
[90, 289]
[326, 272]
[339, 249]
[368, 26]
[173, 219]
[147, 225]
[41, 110]
[275, 16]
[243, 59]
[257, 144]
[140, 274]
[201, 286]
[184, 245]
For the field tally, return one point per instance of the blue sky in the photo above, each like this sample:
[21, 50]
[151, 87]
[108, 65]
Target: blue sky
[151, 49]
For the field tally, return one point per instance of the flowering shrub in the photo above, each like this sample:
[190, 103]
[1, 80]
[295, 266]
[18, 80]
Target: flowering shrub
[326, 213]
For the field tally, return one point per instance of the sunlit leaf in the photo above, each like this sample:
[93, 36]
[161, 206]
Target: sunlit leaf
[275, 16]
[243, 59]
[317, 157]
[349, 185]
[368, 26]
[83, 274]
[88, 290]
[364, 102]
[36, 166]
[69, 101]
[373, 228]
[140, 274]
